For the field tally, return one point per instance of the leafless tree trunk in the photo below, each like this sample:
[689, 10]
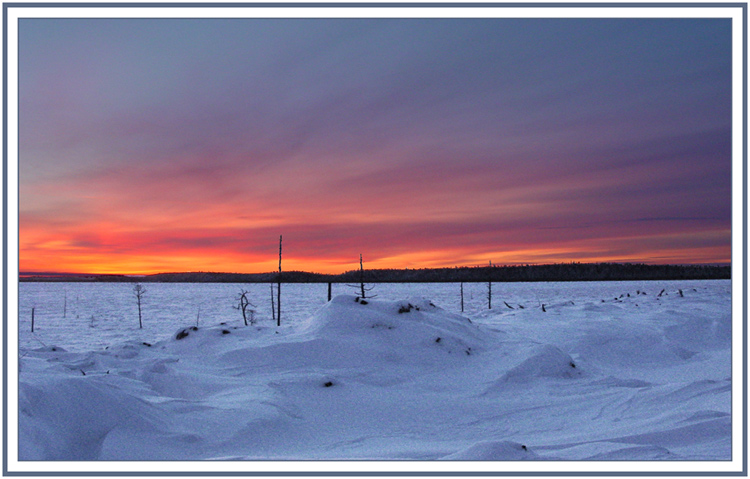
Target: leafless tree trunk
[363, 290]
[139, 290]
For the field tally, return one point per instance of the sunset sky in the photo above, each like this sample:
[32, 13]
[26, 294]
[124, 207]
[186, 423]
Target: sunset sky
[151, 145]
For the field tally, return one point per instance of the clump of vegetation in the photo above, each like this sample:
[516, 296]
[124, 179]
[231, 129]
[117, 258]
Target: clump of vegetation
[185, 333]
[407, 308]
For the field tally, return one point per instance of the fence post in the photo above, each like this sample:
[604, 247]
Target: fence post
[462, 297]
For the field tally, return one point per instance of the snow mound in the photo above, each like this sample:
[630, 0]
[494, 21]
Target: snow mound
[698, 332]
[629, 347]
[351, 314]
[70, 418]
[545, 361]
[413, 326]
[494, 451]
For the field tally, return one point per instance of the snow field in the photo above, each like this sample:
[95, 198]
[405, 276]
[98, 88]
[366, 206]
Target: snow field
[592, 377]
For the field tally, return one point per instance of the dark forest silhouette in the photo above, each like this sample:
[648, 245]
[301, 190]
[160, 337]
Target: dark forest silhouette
[548, 272]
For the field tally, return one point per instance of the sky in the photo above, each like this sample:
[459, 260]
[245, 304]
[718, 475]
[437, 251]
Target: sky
[155, 145]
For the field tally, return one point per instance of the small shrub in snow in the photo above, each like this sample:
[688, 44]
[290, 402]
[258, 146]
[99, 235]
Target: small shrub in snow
[185, 333]
[407, 308]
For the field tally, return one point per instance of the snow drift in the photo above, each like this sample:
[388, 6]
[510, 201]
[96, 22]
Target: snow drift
[405, 379]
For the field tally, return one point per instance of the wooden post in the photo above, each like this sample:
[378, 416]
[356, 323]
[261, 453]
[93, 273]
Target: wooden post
[329, 291]
[462, 297]
[273, 305]
[489, 289]
[32, 319]
[361, 276]
[278, 293]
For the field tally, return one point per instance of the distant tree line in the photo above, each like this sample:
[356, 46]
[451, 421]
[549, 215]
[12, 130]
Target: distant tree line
[521, 273]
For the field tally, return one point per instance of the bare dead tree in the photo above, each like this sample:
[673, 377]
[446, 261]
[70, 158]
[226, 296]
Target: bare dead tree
[363, 290]
[243, 305]
[139, 290]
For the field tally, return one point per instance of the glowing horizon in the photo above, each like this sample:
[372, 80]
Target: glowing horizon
[166, 145]
[342, 265]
